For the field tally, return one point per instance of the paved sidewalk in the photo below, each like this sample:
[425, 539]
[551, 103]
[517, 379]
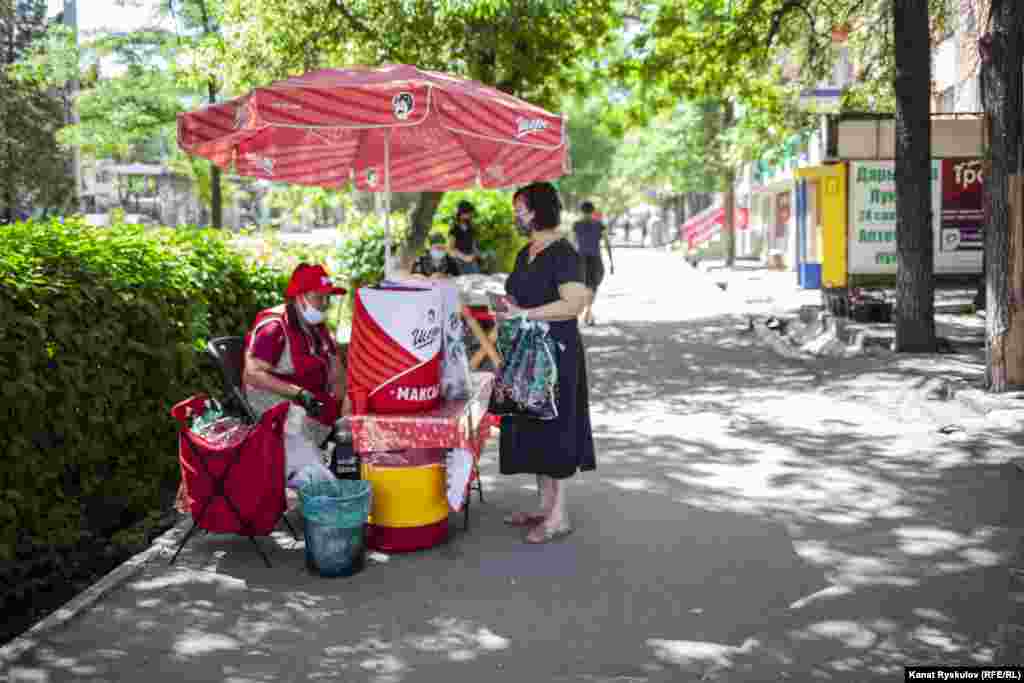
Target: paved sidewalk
[753, 518]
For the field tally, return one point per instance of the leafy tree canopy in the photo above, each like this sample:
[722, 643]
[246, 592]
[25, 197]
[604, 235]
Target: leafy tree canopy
[33, 167]
[526, 48]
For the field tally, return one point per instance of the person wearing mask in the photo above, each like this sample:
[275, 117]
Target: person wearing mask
[547, 284]
[589, 233]
[290, 355]
[462, 234]
[436, 263]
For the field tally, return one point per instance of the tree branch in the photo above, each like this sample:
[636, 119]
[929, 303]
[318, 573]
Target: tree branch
[359, 25]
[779, 15]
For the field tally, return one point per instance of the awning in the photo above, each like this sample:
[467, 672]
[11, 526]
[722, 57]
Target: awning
[708, 223]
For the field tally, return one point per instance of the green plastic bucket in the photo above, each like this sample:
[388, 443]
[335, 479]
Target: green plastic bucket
[334, 514]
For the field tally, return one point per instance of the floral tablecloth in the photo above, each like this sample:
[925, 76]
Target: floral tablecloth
[453, 424]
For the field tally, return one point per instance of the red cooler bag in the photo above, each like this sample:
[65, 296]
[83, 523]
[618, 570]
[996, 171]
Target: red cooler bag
[394, 355]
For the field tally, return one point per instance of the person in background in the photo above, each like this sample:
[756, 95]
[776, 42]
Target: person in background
[290, 355]
[590, 232]
[462, 246]
[547, 284]
[436, 263]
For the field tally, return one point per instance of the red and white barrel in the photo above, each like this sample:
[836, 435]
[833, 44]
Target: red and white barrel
[394, 355]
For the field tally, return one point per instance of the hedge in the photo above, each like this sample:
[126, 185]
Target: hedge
[102, 334]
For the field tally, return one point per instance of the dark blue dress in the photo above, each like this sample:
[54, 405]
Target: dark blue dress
[560, 447]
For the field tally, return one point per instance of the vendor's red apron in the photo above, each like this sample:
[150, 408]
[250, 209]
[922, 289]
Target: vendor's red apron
[296, 366]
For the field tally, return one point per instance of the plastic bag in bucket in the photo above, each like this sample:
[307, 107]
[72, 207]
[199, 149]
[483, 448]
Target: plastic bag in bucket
[335, 513]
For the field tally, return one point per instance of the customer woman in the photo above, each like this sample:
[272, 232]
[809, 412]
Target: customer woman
[547, 284]
[291, 356]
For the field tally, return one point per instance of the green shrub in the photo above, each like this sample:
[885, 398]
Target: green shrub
[360, 255]
[495, 223]
[100, 338]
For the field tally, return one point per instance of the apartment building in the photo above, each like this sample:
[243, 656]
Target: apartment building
[955, 60]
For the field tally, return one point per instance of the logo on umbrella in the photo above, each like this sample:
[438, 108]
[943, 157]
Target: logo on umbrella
[371, 177]
[527, 126]
[402, 105]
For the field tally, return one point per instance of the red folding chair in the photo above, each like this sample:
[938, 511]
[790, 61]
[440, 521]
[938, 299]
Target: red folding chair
[233, 485]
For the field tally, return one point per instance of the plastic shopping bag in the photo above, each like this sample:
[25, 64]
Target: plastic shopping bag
[455, 382]
[526, 384]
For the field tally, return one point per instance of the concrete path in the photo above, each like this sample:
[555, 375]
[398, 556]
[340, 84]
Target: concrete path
[752, 518]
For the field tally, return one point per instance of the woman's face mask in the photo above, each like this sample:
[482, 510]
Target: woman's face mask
[436, 254]
[524, 219]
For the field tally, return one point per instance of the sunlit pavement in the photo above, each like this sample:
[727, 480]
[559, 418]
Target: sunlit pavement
[752, 518]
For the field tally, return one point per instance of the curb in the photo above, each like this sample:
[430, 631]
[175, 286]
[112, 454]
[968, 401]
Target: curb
[84, 600]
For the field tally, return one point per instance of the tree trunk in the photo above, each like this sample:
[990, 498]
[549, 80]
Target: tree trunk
[915, 284]
[1001, 94]
[729, 200]
[216, 201]
[729, 219]
[422, 218]
[1014, 343]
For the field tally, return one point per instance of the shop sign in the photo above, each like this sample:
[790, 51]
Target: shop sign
[957, 216]
[959, 242]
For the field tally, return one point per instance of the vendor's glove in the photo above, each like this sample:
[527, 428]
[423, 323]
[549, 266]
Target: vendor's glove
[307, 400]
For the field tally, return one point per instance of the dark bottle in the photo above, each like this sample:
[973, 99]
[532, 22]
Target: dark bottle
[345, 462]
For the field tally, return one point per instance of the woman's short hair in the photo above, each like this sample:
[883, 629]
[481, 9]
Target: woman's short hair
[587, 207]
[542, 199]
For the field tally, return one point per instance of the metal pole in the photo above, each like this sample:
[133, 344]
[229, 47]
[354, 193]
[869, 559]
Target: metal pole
[388, 268]
[71, 20]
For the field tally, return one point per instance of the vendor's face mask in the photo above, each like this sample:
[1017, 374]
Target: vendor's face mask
[524, 219]
[437, 254]
[312, 314]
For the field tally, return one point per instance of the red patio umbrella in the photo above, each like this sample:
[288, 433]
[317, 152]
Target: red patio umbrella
[389, 128]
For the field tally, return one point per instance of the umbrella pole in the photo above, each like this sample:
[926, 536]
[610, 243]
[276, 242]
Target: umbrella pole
[388, 268]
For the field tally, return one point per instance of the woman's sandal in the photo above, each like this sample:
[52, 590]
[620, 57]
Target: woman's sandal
[523, 519]
[547, 535]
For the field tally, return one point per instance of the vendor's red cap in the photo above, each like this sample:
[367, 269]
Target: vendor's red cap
[307, 278]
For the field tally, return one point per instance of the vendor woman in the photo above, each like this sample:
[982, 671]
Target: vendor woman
[291, 356]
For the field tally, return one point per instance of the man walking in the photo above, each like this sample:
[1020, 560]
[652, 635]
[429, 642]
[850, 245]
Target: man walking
[590, 232]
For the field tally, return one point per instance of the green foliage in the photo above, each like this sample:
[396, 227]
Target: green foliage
[595, 134]
[119, 115]
[497, 236]
[33, 167]
[303, 204]
[101, 338]
[360, 256]
[525, 48]
[727, 48]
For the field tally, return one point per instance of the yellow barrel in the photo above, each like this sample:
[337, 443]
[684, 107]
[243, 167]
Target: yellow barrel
[405, 497]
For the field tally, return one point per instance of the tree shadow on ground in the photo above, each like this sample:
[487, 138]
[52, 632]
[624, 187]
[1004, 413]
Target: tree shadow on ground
[752, 518]
[913, 531]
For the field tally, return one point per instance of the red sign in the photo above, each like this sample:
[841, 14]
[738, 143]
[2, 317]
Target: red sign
[782, 214]
[702, 227]
[963, 212]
